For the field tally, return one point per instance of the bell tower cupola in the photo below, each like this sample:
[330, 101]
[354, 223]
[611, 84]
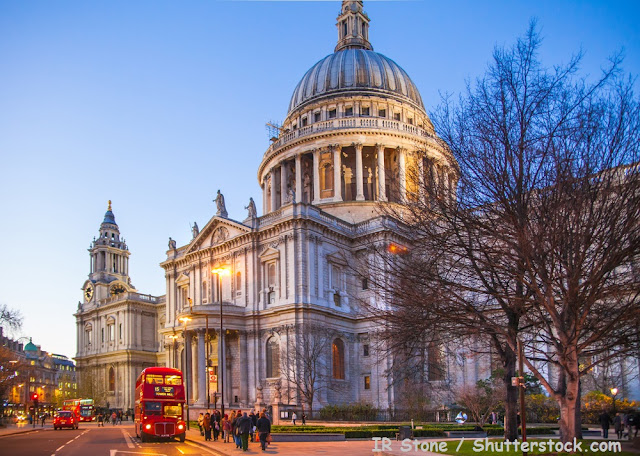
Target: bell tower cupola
[353, 27]
[109, 265]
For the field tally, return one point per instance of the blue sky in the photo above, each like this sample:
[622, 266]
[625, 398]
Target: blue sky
[158, 104]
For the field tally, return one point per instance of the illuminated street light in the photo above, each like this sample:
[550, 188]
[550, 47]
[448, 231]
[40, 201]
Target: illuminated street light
[614, 392]
[221, 272]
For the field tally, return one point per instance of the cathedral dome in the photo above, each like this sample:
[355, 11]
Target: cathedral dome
[352, 70]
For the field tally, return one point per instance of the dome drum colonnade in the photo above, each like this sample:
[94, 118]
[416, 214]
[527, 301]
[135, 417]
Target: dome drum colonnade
[355, 131]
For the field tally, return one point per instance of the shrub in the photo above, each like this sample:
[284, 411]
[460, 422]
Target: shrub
[349, 412]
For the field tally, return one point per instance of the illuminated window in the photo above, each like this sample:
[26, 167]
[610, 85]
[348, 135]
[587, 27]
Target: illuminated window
[172, 380]
[238, 283]
[337, 351]
[112, 379]
[367, 382]
[273, 358]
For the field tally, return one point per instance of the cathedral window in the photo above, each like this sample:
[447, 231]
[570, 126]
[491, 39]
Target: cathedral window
[112, 379]
[365, 284]
[112, 332]
[120, 331]
[382, 113]
[435, 362]
[273, 357]
[410, 120]
[332, 113]
[396, 116]
[344, 28]
[365, 110]
[238, 283]
[102, 335]
[205, 292]
[304, 121]
[337, 354]
[367, 382]
[317, 116]
[348, 112]
[365, 350]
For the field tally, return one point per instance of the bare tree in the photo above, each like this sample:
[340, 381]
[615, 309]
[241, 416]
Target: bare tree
[10, 318]
[481, 399]
[540, 243]
[305, 361]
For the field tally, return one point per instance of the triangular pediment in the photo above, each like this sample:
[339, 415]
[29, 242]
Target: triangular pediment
[183, 279]
[269, 253]
[218, 231]
[336, 258]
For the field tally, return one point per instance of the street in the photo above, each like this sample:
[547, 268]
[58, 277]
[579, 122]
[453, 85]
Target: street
[91, 440]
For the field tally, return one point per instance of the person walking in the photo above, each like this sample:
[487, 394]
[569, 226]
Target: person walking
[254, 420]
[226, 428]
[605, 422]
[215, 417]
[206, 424]
[617, 425]
[200, 421]
[264, 429]
[113, 418]
[236, 430]
[304, 419]
[100, 419]
[294, 417]
[244, 428]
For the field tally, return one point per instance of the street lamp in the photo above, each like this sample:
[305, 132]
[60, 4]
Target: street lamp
[220, 272]
[186, 320]
[614, 391]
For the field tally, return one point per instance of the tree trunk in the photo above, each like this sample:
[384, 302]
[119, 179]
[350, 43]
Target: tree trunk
[579, 411]
[568, 400]
[511, 403]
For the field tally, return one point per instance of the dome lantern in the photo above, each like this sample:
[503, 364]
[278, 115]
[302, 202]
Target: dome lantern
[353, 27]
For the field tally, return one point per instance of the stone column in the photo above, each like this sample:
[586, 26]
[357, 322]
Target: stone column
[273, 189]
[382, 193]
[202, 367]
[359, 174]
[421, 192]
[298, 188]
[337, 173]
[403, 174]
[283, 183]
[243, 390]
[316, 176]
[194, 370]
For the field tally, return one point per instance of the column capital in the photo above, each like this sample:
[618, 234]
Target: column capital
[379, 147]
[357, 146]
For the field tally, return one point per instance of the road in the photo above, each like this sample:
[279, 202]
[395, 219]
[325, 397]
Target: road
[91, 440]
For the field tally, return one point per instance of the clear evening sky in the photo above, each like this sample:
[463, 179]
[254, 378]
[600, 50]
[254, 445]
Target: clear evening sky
[158, 104]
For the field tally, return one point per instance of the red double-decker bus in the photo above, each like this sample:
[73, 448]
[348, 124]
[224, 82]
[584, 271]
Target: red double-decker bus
[82, 408]
[159, 407]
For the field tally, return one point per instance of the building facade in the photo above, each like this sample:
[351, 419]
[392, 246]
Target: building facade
[356, 135]
[117, 327]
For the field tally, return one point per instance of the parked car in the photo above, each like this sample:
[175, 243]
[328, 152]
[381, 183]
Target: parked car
[65, 418]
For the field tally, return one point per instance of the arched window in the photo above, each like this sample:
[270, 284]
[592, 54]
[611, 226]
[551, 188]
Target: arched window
[112, 379]
[337, 352]
[205, 291]
[273, 358]
[238, 283]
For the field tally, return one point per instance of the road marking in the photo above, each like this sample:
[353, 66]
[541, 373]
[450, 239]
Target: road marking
[128, 439]
[60, 448]
[181, 452]
[202, 448]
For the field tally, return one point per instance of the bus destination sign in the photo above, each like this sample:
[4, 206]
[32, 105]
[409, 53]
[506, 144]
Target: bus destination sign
[164, 391]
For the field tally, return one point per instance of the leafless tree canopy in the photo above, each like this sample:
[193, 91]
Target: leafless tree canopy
[541, 241]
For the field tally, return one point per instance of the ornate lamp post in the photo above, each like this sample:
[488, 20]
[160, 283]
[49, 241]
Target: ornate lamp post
[220, 272]
[186, 320]
[614, 392]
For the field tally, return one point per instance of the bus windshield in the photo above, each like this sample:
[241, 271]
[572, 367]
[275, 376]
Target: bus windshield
[173, 410]
[152, 408]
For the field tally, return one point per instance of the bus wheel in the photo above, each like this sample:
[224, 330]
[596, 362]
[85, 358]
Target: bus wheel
[182, 437]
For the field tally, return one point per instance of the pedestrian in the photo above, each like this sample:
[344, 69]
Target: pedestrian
[215, 417]
[617, 425]
[206, 424]
[43, 418]
[264, 429]
[254, 420]
[244, 428]
[304, 419]
[113, 418]
[236, 430]
[100, 419]
[226, 428]
[294, 417]
[200, 420]
[628, 423]
[119, 417]
[605, 422]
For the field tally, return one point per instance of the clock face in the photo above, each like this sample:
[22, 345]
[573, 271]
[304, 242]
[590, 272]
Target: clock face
[117, 289]
[88, 292]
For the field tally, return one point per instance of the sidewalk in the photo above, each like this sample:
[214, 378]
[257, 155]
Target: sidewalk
[22, 428]
[347, 447]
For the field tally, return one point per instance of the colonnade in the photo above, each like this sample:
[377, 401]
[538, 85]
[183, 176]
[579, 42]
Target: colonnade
[324, 175]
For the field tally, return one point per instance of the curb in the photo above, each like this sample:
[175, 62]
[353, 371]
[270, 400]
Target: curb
[204, 445]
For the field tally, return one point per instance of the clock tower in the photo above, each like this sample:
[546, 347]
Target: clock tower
[117, 327]
[109, 265]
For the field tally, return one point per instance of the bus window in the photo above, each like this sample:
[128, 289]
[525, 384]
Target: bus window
[153, 408]
[172, 380]
[154, 379]
[173, 410]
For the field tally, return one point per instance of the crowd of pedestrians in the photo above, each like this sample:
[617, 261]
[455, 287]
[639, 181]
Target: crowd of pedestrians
[621, 422]
[241, 427]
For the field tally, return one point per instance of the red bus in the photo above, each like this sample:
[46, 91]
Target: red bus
[83, 409]
[159, 404]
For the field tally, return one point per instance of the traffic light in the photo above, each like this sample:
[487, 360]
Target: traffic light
[34, 398]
